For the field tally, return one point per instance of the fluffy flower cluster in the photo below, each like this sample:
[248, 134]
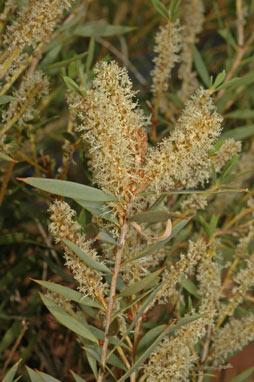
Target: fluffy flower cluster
[232, 338]
[182, 160]
[245, 280]
[193, 17]
[62, 227]
[229, 148]
[113, 126]
[34, 24]
[167, 46]
[173, 358]
[209, 277]
[181, 270]
[33, 88]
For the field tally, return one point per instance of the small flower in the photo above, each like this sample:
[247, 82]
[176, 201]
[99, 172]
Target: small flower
[232, 338]
[114, 128]
[193, 17]
[33, 88]
[229, 149]
[182, 160]
[167, 46]
[64, 227]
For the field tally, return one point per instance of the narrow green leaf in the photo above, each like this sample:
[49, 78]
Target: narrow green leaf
[173, 9]
[157, 202]
[34, 377]
[243, 377]
[101, 30]
[11, 373]
[104, 236]
[115, 361]
[69, 189]
[160, 8]
[6, 99]
[51, 56]
[88, 260]
[240, 114]
[148, 339]
[247, 79]
[10, 335]
[6, 157]
[67, 320]
[92, 364]
[191, 288]
[63, 63]
[69, 293]
[228, 37]
[151, 216]
[230, 83]
[46, 377]
[150, 349]
[140, 285]
[97, 209]
[219, 79]
[239, 133]
[200, 66]
[72, 85]
[159, 244]
[76, 377]
[128, 306]
[228, 169]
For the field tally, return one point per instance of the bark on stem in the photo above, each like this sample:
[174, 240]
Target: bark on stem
[119, 252]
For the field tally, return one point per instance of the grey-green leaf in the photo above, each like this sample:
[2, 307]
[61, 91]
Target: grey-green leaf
[239, 133]
[6, 99]
[67, 320]
[72, 85]
[241, 114]
[11, 373]
[149, 338]
[160, 8]
[101, 30]
[230, 83]
[140, 285]
[219, 79]
[76, 377]
[150, 216]
[191, 288]
[6, 157]
[46, 377]
[33, 375]
[69, 293]
[97, 209]
[104, 236]
[200, 66]
[69, 189]
[88, 260]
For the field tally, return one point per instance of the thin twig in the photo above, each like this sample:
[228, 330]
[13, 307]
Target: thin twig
[118, 259]
[240, 23]
[14, 348]
[241, 52]
[205, 351]
[47, 240]
[125, 60]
